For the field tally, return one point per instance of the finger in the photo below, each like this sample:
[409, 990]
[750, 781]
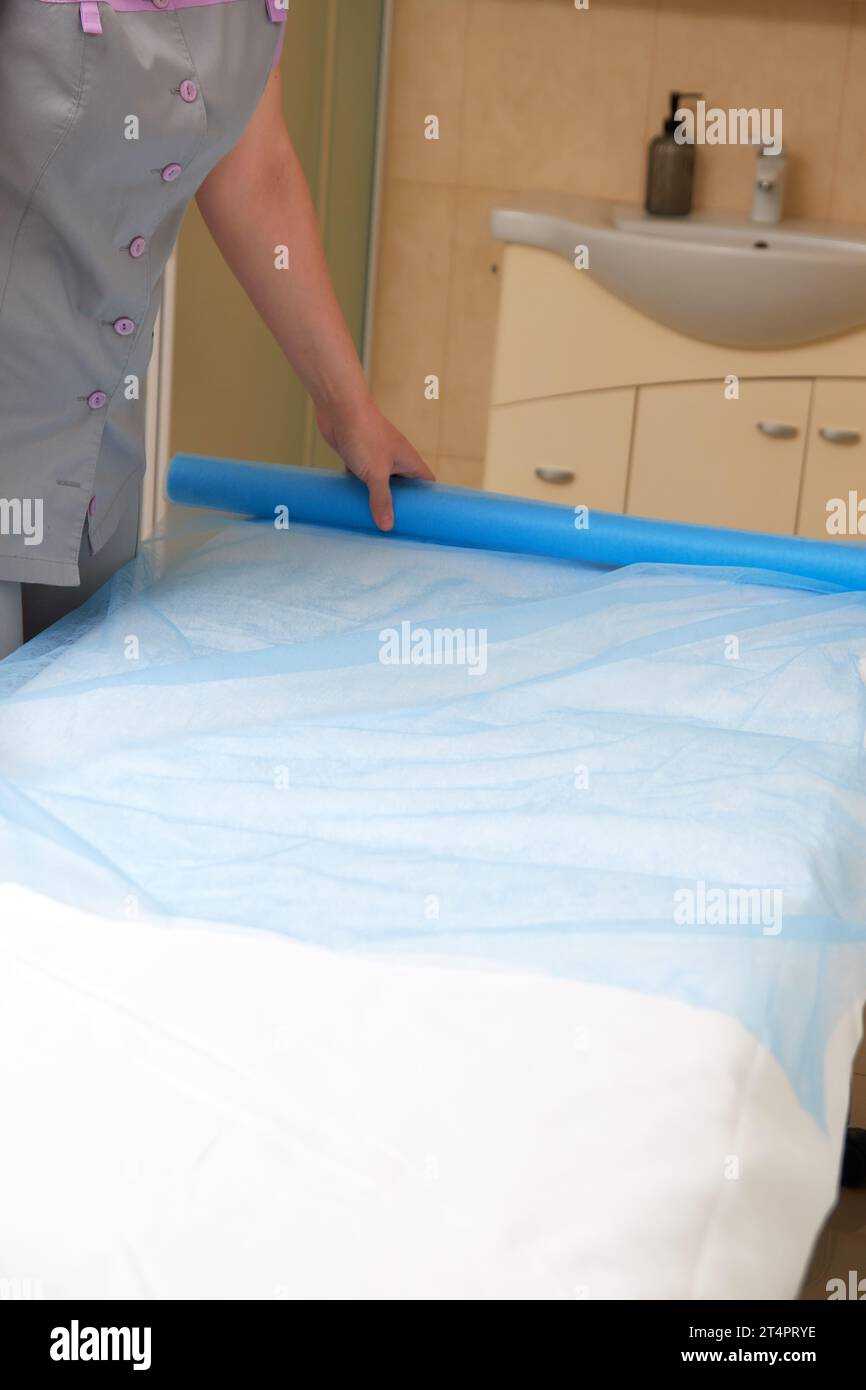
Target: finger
[413, 469]
[409, 464]
[381, 506]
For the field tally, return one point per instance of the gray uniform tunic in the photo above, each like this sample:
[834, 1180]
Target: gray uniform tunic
[111, 116]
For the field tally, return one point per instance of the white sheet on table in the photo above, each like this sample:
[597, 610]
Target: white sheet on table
[198, 1113]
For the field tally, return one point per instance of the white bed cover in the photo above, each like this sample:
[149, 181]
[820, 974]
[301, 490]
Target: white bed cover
[198, 1113]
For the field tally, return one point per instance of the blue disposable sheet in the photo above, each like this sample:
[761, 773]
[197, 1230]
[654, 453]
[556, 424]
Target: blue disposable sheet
[611, 779]
[487, 521]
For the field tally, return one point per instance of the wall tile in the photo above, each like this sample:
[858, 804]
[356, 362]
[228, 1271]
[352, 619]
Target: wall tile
[472, 311]
[556, 97]
[411, 306]
[427, 78]
[849, 182]
[459, 472]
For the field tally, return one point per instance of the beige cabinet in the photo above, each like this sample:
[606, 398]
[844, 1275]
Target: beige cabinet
[703, 458]
[592, 402]
[572, 449]
[835, 454]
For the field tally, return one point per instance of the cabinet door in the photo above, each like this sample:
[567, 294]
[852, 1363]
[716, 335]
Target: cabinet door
[702, 458]
[835, 454]
[571, 449]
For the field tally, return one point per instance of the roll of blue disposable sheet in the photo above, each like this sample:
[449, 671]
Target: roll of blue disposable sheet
[490, 521]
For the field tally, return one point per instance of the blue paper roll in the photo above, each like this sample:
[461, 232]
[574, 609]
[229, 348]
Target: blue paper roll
[490, 521]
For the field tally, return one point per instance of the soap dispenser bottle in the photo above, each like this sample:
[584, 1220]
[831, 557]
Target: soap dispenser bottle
[670, 168]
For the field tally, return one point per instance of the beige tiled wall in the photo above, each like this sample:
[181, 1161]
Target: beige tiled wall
[535, 94]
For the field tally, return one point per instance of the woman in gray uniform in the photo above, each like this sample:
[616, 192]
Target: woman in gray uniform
[113, 115]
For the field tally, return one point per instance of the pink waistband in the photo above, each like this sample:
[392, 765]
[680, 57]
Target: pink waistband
[277, 9]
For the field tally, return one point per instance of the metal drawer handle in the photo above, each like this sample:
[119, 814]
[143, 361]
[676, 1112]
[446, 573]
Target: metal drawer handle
[776, 430]
[839, 436]
[554, 475]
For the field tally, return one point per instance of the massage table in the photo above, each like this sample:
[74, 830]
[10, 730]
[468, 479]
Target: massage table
[327, 974]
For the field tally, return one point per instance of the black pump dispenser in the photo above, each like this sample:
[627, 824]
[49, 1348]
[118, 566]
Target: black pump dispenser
[671, 123]
[670, 168]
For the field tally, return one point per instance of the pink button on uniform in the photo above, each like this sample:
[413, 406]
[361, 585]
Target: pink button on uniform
[188, 89]
[97, 400]
[137, 246]
[160, 4]
[171, 172]
[124, 327]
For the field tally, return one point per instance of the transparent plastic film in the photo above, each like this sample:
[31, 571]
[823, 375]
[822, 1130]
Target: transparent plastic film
[651, 777]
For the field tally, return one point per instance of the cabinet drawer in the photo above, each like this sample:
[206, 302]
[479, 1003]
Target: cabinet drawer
[571, 449]
[701, 458]
[835, 455]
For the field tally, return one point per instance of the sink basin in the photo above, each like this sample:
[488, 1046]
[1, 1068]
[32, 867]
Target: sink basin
[719, 278]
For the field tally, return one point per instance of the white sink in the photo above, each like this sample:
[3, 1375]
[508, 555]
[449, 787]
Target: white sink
[719, 278]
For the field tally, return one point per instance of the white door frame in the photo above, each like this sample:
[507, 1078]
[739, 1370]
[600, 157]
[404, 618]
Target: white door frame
[378, 180]
[158, 406]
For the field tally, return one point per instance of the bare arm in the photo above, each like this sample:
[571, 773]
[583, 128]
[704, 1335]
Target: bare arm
[255, 200]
